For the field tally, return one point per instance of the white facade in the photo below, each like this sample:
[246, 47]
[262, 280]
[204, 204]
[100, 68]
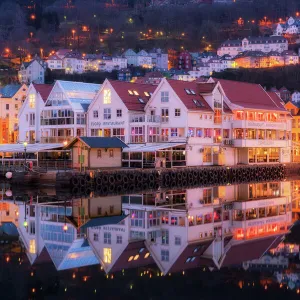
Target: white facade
[55, 63]
[292, 27]
[264, 44]
[64, 114]
[33, 71]
[29, 115]
[296, 96]
[74, 65]
[142, 58]
[159, 59]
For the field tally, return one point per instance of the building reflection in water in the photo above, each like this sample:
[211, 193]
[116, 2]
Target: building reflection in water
[173, 230]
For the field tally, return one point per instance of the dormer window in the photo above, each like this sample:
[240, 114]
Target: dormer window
[136, 93]
[130, 92]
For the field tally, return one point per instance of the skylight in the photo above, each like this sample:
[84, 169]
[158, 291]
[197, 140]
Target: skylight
[193, 92]
[147, 255]
[141, 100]
[147, 94]
[136, 257]
[130, 92]
[198, 103]
[136, 93]
[130, 258]
[188, 91]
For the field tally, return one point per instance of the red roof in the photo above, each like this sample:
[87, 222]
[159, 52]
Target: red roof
[276, 98]
[249, 250]
[133, 249]
[132, 102]
[206, 88]
[191, 258]
[249, 95]
[44, 90]
[191, 101]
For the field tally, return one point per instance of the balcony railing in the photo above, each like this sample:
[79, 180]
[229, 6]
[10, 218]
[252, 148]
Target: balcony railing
[144, 118]
[56, 139]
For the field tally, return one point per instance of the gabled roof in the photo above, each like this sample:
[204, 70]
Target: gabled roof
[191, 101]
[63, 52]
[54, 57]
[133, 249]
[250, 250]
[132, 102]
[73, 86]
[43, 89]
[142, 53]
[99, 142]
[249, 95]
[206, 88]
[129, 52]
[10, 90]
[190, 258]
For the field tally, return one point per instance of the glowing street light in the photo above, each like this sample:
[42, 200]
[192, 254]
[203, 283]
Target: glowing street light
[73, 32]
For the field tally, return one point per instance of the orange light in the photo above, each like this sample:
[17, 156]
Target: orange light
[85, 278]
[7, 50]
[33, 290]
[7, 259]
[74, 276]
[65, 228]
[73, 31]
[32, 17]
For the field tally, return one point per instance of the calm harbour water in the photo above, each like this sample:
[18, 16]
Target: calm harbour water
[228, 242]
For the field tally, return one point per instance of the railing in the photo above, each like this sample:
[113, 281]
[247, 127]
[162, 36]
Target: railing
[144, 118]
[56, 139]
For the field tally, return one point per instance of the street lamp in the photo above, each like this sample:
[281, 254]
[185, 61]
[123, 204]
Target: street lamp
[25, 145]
[64, 154]
[73, 32]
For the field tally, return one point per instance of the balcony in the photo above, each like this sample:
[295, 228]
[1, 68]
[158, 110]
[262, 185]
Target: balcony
[279, 125]
[144, 118]
[56, 139]
[247, 143]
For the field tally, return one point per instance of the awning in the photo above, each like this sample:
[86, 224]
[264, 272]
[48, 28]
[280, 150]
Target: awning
[30, 148]
[151, 147]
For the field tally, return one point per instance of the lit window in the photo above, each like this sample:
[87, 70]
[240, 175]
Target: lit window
[32, 100]
[130, 92]
[136, 257]
[147, 255]
[147, 94]
[32, 248]
[136, 93]
[107, 255]
[130, 258]
[107, 97]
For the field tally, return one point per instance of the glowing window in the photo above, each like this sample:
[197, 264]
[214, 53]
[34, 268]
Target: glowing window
[130, 258]
[107, 97]
[147, 255]
[32, 248]
[136, 257]
[147, 94]
[107, 255]
[136, 93]
[130, 92]
[32, 100]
